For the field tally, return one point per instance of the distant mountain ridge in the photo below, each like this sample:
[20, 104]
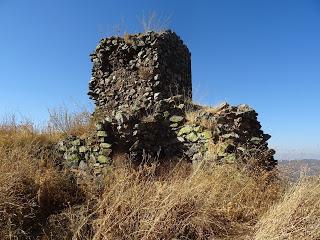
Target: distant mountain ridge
[293, 169]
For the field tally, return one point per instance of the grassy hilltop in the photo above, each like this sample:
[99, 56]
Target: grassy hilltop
[39, 200]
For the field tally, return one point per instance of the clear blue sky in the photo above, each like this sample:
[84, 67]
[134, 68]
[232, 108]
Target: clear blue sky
[263, 53]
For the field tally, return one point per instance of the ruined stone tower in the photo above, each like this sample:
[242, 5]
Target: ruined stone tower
[141, 85]
[139, 70]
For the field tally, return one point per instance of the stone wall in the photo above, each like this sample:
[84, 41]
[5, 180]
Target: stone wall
[141, 85]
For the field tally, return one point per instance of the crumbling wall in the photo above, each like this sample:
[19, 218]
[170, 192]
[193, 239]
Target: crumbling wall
[141, 85]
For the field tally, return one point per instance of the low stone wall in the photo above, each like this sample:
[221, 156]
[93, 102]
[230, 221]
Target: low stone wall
[225, 134]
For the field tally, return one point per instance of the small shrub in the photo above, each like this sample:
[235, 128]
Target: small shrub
[154, 22]
[75, 123]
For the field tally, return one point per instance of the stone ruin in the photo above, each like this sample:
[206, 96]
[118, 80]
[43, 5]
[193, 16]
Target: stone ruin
[141, 85]
[137, 71]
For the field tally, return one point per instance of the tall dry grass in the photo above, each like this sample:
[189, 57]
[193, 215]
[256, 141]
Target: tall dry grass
[61, 120]
[223, 203]
[30, 187]
[17, 192]
[296, 216]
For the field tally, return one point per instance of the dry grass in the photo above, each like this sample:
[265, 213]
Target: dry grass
[154, 22]
[296, 216]
[66, 122]
[17, 193]
[192, 115]
[127, 39]
[193, 118]
[145, 72]
[39, 201]
[30, 187]
[224, 203]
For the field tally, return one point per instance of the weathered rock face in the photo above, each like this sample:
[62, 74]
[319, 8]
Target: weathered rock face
[139, 70]
[141, 85]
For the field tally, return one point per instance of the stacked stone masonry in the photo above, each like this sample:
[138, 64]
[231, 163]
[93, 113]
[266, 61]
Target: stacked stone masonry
[141, 85]
[139, 70]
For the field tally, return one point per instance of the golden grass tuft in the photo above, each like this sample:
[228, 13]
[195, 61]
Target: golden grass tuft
[192, 117]
[127, 38]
